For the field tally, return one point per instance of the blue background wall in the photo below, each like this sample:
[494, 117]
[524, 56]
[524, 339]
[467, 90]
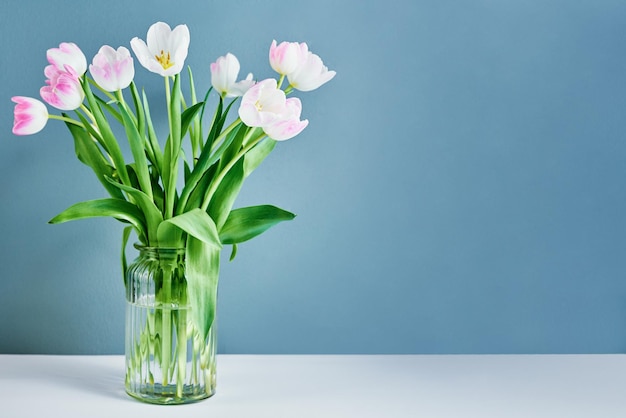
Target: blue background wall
[460, 187]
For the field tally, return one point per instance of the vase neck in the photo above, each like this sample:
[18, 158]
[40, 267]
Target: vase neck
[160, 253]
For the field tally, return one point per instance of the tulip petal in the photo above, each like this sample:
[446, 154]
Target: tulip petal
[165, 51]
[112, 69]
[68, 55]
[311, 74]
[286, 57]
[30, 115]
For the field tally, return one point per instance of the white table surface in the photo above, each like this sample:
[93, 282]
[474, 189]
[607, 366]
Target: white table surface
[302, 386]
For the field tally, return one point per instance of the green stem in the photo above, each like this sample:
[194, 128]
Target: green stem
[166, 322]
[216, 182]
[106, 93]
[120, 99]
[181, 348]
[66, 119]
[199, 170]
[170, 188]
[87, 112]
[225, 132]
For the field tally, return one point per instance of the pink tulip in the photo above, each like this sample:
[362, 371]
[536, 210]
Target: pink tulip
[63, 89]
[30, 115]
[311, 74]
[165, 51]
[288, 123]
[287, 56]
[224, 73]
[262, 104]
[68, 55]
[112, 70]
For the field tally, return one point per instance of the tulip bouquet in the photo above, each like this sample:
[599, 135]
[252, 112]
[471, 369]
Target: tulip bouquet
[213, 154]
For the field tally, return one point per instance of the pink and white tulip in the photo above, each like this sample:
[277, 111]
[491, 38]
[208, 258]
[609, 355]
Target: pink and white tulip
[165, 51]
[112, 70]
[288, 123]
[264, 105]
[310, 74]
[224, 73]
[286, 57]
[69, 58]
[63, 89]
[30, 115]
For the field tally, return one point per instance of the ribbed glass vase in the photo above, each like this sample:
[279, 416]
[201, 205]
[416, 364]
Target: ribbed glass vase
[167, 362]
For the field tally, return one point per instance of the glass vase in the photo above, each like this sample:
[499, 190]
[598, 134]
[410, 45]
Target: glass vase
[167, 362]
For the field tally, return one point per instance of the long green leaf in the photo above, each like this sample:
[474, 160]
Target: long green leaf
[151, 213]
[89, 154]
[202, 273]
[196, 130]
[141, 117]
[152, 137]
[104, 104]
[246, 223]
[205, 162]
[188, 116]
[115, 208]
[196, 197]
[125, 237]
[225, 195]
[136, 142]
[256, 155]
[110, 142]
[195, 223]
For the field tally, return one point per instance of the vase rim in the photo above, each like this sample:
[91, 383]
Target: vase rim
[156, 248]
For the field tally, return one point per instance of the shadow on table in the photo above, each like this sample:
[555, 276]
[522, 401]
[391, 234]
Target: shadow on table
[98, 376]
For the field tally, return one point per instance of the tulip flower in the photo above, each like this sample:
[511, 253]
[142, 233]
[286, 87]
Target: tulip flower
[112, 70]
[265, 105]
[286, 57]
[224, 73]
[63, 89]
[68, 55]
[288, 123]
[310, 74]
[165, 51]
[262, 104]
[30, 115]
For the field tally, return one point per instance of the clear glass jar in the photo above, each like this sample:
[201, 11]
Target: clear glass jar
[167, 362]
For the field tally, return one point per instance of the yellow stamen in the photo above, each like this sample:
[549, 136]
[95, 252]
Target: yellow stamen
[165, 60]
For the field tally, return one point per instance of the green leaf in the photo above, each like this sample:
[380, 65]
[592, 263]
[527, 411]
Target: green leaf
[196, 197]
[246, 223]
[202, 265]
[115, 208]
[233, 253]
[103, 103]
[152, 138]
[141, 117]
[225, 194]
[205, 162]
[108, 138]
[188, 116]
[136, 142]
[89, 154]
[216, 124]
[196, 223]
[256, 155]
[125, 237]
[151, 213]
